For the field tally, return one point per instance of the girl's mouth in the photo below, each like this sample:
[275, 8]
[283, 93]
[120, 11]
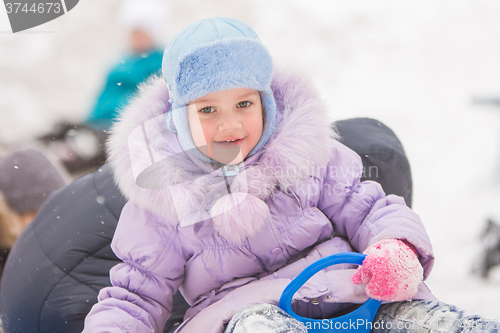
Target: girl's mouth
[226, 151]
[229, 143]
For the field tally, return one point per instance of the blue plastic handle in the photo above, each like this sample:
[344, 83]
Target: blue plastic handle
[359, 321]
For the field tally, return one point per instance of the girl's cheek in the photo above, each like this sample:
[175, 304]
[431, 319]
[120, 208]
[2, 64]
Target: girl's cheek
[208, 137]
[197, 131]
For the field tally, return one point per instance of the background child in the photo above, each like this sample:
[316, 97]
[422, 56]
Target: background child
[231, 196]
[80, 146]
[27, 178]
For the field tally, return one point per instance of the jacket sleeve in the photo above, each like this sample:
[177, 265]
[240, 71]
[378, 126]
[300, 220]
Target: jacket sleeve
[140, 299]
[361, 212]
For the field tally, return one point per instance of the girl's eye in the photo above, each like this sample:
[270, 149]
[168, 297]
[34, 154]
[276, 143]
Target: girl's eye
[244, 104]
[207, 109]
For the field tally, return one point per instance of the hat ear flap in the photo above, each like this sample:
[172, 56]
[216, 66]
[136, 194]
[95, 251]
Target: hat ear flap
[170, 123]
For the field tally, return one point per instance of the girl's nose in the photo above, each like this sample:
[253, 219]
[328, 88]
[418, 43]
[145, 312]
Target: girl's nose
[228, 122]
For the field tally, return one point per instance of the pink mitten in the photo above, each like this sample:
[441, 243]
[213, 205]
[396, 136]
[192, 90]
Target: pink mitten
[391, 271]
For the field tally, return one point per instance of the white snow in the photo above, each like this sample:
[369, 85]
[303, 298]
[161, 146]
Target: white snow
[415, 65]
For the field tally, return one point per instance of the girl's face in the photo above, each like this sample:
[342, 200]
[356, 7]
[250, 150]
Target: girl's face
[226, 125]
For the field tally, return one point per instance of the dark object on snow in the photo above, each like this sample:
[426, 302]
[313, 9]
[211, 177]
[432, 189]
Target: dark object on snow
[489, 255]
[486, 101]
[62, 259]
[383, 156]
[79, 147]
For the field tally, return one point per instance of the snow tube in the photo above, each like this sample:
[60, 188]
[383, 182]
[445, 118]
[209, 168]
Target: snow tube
[384, 159]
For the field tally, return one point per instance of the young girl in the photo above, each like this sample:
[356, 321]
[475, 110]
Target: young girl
[236, 183]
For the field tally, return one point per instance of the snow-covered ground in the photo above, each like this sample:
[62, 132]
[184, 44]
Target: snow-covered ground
[415, 65]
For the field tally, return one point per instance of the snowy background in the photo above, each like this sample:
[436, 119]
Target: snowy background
[414, 65]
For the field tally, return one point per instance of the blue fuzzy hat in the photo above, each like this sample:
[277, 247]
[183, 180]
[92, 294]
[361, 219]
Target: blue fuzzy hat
[214, 55]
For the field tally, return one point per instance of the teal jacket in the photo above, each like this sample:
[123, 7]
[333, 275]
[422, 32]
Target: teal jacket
[121, 84]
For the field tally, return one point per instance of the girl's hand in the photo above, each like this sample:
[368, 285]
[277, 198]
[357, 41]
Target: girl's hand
[391, 271]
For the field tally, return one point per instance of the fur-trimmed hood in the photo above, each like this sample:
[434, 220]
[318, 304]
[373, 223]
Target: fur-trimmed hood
[153, 171]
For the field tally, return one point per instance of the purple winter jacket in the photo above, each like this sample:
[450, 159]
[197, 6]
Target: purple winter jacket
[301, 199]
